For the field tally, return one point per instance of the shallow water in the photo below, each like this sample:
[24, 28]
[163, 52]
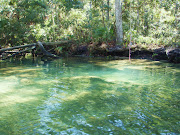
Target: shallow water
[82, 96]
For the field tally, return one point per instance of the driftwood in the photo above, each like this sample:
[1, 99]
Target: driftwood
[17, 47]
[33, 46]
[46, 53]
[23, 51]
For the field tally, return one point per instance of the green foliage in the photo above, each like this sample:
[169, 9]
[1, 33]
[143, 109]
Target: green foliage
[27, 21]
[59, 50]
[154, 55]
[17, 20]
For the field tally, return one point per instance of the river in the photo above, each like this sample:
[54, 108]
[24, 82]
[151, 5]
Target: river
[89, 96]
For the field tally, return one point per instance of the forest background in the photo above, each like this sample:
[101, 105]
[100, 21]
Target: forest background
[149, 22]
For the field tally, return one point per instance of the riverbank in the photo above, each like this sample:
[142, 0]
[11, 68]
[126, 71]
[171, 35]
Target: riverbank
[110, 50]
[160, 53]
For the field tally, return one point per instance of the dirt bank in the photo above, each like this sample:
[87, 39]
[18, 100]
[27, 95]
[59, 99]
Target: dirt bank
[137, 51]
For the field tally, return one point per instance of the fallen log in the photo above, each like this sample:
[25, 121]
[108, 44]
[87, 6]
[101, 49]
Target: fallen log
[57, 43]
[46, 53]
[23, 51]
[33, 46]
[17, 47]
[11, 52]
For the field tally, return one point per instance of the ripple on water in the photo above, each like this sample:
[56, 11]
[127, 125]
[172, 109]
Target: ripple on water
[90, 97]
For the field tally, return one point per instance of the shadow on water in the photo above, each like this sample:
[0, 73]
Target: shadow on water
[89, 96]
[94, 110]
[105, 109]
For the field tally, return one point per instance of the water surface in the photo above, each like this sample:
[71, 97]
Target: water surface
[83, 96]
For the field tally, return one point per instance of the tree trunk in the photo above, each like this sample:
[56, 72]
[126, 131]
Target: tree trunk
[119, 29]
[103, 15]
[107, 18]
[90, 19]
[137, 26]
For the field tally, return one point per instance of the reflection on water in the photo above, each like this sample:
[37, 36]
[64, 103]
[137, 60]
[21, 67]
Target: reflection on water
[89, 96]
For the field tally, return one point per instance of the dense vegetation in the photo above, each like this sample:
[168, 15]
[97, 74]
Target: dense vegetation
[151, 22]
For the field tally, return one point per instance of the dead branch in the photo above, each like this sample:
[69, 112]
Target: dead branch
[46, 53]
[17, 47]
[23, 51]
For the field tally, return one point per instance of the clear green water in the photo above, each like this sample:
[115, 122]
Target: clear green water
[89, 96]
